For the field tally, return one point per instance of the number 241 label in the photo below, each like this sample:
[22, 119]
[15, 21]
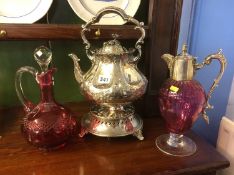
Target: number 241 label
[104, 80]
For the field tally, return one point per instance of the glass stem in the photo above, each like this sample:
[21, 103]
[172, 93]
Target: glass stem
[175, 140]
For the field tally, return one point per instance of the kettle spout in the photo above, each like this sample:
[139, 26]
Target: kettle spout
[77, 70]
[169, 60]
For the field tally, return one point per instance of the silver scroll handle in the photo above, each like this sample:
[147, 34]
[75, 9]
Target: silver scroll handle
[223, 62]
[125, 17]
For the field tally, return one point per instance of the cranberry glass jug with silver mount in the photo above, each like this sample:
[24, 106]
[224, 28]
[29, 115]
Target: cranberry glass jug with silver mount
[47, 125]
[112, 82]
[182, 99]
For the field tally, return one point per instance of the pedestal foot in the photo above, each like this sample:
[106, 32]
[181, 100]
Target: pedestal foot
[176, 145]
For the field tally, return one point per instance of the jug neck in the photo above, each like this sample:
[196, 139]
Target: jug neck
[47, 95]
[46, 86]
[183, 69]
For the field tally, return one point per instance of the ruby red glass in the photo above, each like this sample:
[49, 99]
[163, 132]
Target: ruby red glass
[180, 107]
[48, 125]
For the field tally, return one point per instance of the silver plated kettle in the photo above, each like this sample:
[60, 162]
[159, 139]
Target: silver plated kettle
[112, 82]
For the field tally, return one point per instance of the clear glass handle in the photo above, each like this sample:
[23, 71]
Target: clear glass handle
[28, 105]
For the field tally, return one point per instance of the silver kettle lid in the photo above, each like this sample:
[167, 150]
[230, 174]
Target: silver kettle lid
[112, 47]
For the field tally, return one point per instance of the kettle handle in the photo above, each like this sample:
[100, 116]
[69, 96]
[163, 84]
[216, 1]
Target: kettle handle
[223, 62]
[125, 17]
[28, 105]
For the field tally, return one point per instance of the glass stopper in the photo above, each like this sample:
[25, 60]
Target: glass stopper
[43, 57]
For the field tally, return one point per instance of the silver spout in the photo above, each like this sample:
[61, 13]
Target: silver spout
[169, 60]
[77, 70]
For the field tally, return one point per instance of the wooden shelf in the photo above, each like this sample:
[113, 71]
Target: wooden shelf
[162, 33]
[65, 31]
[95, 155]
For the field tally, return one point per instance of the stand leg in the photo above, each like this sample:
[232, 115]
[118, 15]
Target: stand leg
[138, 134]
[83, 132]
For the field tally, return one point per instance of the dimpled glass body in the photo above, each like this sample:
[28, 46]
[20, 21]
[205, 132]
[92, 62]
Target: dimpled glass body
[48, 125]
[181, 109]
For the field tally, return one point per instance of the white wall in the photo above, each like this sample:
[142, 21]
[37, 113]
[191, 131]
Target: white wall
[230, 106]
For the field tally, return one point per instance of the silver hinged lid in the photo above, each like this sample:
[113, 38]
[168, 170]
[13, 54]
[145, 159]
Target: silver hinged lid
[112, 47]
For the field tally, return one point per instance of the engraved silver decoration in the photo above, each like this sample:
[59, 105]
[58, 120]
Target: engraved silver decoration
[112, 82]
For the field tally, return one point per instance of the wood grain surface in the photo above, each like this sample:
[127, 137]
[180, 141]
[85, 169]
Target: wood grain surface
[65, 31]
[93, 155]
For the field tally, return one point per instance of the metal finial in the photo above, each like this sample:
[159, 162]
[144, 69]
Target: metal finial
[184, 49]
[115, 36]
[43, 57]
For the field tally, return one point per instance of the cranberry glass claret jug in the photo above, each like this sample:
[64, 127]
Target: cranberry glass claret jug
[47, 125]
[182, 99]
[112, 82]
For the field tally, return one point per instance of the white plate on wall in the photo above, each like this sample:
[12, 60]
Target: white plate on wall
[86, 9]
[23, 11]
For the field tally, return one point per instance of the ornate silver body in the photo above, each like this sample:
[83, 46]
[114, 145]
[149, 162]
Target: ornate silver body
[113, 82]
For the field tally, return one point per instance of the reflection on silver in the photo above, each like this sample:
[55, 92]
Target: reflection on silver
[113, 82]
